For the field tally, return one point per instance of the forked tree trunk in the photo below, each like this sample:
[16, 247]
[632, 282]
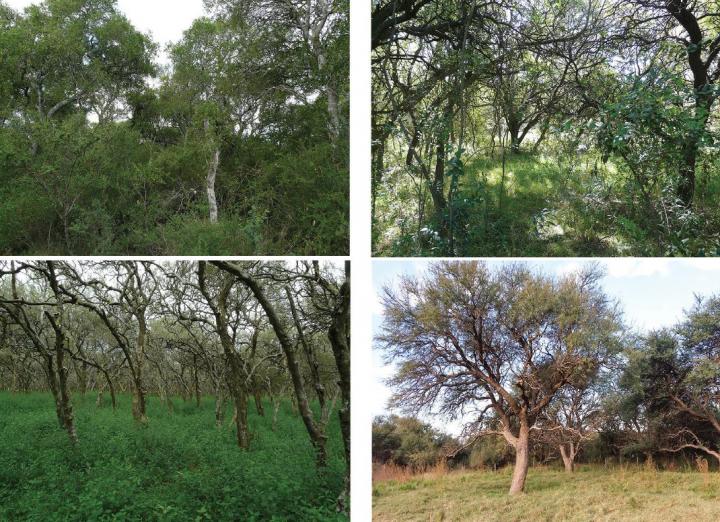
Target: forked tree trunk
[568, 456]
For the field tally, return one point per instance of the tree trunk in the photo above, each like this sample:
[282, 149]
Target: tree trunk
[111, 387]
[219, 407]
[276, 409]
[686, 188]
[196, 381]
[211, 176]
[515, 138]
[241, 422]
[258, 402]
[333, 114]
[339, 335]
[522, 460]
[437, 187]
[568, 457]
[316, 432]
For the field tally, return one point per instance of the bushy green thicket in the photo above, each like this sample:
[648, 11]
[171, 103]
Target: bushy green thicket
[178, 468]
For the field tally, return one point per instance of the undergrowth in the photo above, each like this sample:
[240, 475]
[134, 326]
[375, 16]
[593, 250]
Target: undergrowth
[180, 467]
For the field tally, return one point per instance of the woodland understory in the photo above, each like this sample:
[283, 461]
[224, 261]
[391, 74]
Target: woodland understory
[545, 128]
[271, 336]
[234, 142]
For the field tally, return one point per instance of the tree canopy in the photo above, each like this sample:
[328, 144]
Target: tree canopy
[238, 146]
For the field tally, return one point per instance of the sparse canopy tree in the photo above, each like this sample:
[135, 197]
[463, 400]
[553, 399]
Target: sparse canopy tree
[497, 345]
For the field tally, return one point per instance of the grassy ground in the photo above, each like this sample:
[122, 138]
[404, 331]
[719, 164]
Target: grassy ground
[590, 494]
[178, 468]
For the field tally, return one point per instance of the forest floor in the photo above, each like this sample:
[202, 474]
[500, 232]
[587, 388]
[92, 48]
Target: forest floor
[592, 493]
[180, 467]
[529, 206]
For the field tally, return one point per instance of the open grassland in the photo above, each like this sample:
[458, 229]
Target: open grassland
[180, 467]
[592, 493]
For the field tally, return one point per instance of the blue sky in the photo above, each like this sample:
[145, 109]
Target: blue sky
[652, 293]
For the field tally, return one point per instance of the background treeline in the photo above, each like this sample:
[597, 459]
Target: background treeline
[238, 146]
[509, 127]
[250, 334]
[542, 369]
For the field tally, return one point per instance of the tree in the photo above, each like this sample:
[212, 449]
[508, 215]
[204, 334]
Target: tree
[252, 279]
[45, 330]
[471, 341]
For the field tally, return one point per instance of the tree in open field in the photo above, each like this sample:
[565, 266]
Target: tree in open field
[496, 346]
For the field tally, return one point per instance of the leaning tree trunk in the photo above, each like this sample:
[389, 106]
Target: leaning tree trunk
[339, 335]
[316, 432]
[521, 443]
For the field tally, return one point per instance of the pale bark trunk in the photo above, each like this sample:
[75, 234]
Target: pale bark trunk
[568, 457]
[522, 461]
[211, 176]
[333, 113]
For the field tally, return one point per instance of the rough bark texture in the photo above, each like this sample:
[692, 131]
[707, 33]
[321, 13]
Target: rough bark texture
[521, 443]
[339, 335]
[318, 438]
[211, 177]
[219, 407]
[236, 375]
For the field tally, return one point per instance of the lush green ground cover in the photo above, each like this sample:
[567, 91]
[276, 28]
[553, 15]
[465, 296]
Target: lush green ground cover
[551, 206]
[591, 493]
[178, 468]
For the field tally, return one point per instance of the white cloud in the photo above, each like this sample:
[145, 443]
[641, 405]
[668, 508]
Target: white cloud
[706, 264]
[629, 267]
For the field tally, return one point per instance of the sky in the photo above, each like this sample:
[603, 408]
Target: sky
[164, 19]
[652, 293]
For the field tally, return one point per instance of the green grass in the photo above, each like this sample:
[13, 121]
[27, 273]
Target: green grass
[591, 493]
[180, 467]
[547, 206]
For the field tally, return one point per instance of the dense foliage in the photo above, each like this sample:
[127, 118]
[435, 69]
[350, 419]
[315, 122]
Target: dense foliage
[181, 468]
[546, 128]
[238, 146]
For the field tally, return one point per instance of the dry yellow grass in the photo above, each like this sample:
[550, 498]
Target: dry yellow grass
[592, 493]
